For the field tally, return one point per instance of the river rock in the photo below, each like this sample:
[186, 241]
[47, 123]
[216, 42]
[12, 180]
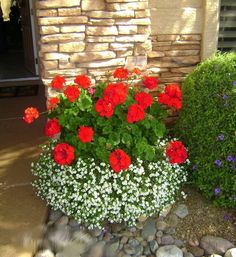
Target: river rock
[187, 254]
[231, 253]
[45, 253]
[112, 248]
[169, 251]
[215, 245]
[153, 246]
[161, 225]
[167, 240]
[196, 251]
[181, 211]
[97, 250]
[149, 229]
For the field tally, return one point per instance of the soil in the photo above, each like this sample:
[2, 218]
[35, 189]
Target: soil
[205, 219]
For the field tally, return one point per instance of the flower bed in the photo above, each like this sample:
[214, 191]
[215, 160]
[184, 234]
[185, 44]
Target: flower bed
[107, 159]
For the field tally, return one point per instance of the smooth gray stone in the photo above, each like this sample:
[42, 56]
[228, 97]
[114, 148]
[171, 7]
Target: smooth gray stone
[169, 251]
[181, 211]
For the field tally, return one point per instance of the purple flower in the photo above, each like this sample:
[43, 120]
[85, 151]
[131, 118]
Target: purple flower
[227, 217]
[225, 96]
[230, 158]
[233, 167]
[234, 83]
[234, 198]
[221, 137]
[218, 163]
[217, 191]
[195, 167]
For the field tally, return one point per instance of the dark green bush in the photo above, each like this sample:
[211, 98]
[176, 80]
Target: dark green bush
[207, 125]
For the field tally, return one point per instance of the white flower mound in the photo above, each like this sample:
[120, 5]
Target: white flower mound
[93, 193]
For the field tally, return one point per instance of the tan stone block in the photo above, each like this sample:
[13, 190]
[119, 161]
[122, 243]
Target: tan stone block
[143, 48]
[136, 61]
[183, 60]
[128, 29]
[182, 52]
[99, 30]
[103, 22]
[66, 65]
[124, 53]
[132, 38]
[98, 72]
[167, 37]
[66, 72]
[72, 28]
[50, 65]
[62, 20]
[48, 48]
[96, 47]
[144, 30]
[170, 74]
[179, 42]
[175, 47]
[162, 64]
[171, 80]
[142, 13]
[101, 39]
[107, 15]
[154, 70]
[44, 30]
[127, 6]
[75, 11]
[91, 56]
[183, 69]
[121, 46]
[46, 13]
[155, 54]
[123, 1]
[72, 47]
[177, 4]
[163, 43]
[190, 37]
[56, 56]
[90, 5]
[107, 63]
[56, 4]
[141, 21]
[62, 37]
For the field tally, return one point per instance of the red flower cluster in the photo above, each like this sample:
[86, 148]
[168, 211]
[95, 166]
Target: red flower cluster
[104, 108]
[58, 82]
[119, 160]
[64, 154]
[176, 152]
[85, 134]
[52, 102]
[143, 99]
[135, 113]
[72, 93]
[83, 81]
[115, 93]
[171, 97]
[52, 128]
[31, 114]
[150, 82]
[121, 73]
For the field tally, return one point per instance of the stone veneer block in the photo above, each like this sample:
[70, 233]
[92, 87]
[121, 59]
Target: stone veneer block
[46, 13]
[143, 48]
[57, 4]
[62, 20]
[48, 48]
[66, 72]
[72, 28]
[91, 56]
[102, 22]
[62, 37]
[142, 14]
[75, 11]
[66, 65]
[123, 1]
[183, 60]
[56, 56]
[142, 21]
[102, 64]
[155, 54]
[97, 46]
[136, 61]
[124, 53]
[132, 38]
[182, 52]
[127, 30]
[144, 30]
[100, 39]
[50, 65]
[167, 37]
[127, 6]
[72, 47]
[99, 30]
[183, 69]
[44, 30]
[90, 5]
[121, 46]
[107, 15]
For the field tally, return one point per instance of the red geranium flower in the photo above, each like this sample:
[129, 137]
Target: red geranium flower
[31, 114]
[176, 152]
[120, 73]
[58, 82]
[115, 93]
[72, 93]
[83, 81]
[135, 113]
[150, 82]
[143, 99]
[104, 108]
[52, 128]
[52, 102]
[64, 154]
[85, 134]
[171, 97]
[119, 160]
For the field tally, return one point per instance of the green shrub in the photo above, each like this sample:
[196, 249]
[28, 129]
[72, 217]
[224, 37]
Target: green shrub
[207, 124]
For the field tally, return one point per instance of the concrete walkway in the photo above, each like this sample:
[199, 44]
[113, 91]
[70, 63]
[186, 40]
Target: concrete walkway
[22, 213]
